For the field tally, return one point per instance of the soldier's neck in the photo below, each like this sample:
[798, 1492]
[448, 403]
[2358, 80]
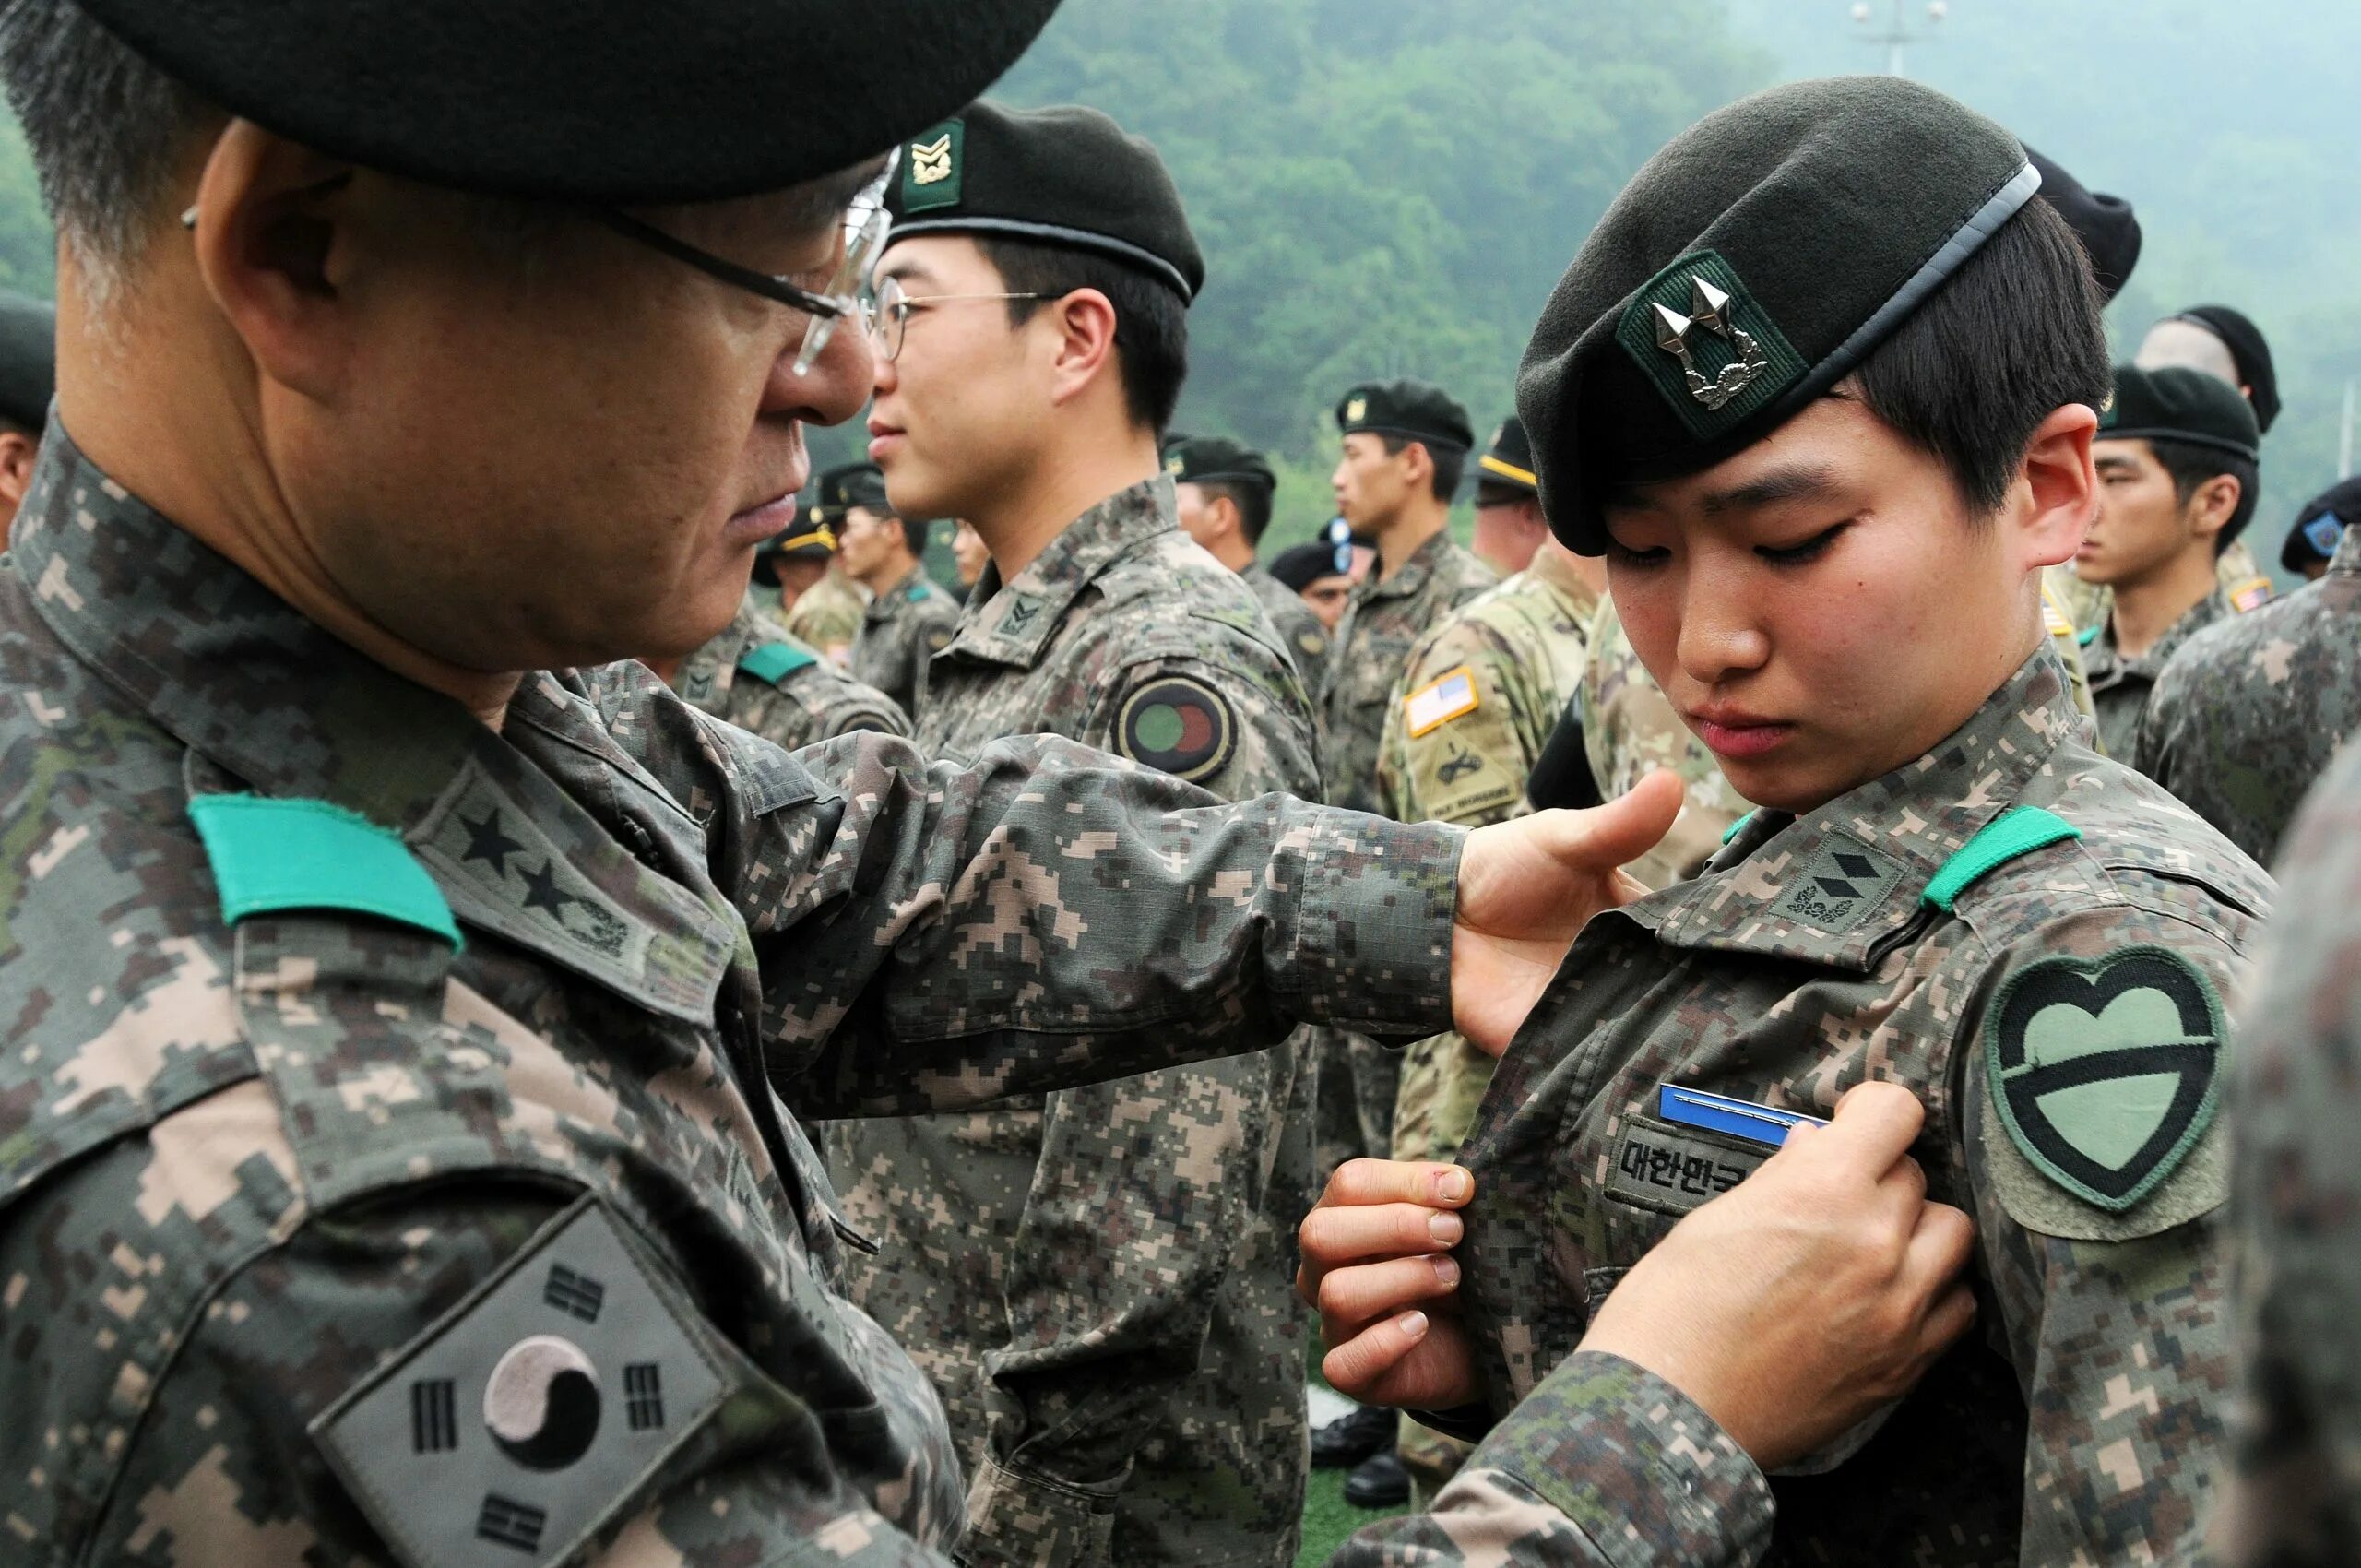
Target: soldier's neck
[888, 577]
[2147, 607]
[1018, 524]
[1233, 553]
[1402, 538]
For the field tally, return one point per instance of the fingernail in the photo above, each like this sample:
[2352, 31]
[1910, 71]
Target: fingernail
[1412, 1324]
[1452, 1185]
[1445, 1227]
[1446, 1272]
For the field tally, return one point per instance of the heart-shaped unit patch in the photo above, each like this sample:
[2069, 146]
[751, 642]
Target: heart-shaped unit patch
[2106, 1071]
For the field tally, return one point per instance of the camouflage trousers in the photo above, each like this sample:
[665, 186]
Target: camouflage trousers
[1354, 1115]
[1443, 1083]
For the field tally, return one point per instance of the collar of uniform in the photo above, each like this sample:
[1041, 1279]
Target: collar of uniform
[1012, 622]
[2103, 665]
[1413, 575]
[2346, 562]
[1779, 885]
[1556, 568]
[886, 606]
[278, 706]
[707, 675]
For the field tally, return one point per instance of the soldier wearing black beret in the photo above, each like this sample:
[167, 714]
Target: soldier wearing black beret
[28, 381]
[826, 610]
[2319, 530]
[1222, 494]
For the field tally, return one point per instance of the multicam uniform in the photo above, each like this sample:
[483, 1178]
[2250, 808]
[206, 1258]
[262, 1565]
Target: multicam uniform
[2237, 573]
[828, 615]
[1097, 1279]
[436, 1193]
[757, 676]
[2249, 713]
[2036, 942]
[901, 630]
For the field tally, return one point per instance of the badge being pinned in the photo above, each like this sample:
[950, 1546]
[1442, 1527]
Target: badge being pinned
[1431, 707]
[2106, 1072]
[1178, 726]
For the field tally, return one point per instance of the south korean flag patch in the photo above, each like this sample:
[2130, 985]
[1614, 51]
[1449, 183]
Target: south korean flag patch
[513, 1430]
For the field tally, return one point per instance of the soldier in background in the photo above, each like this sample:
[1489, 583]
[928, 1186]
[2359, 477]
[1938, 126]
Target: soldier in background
[826, 612]
[28, 382]
[1321, 576]
[2319, 530]
[1223, 494]
[756, 675]
[907, 620]
[968, 554]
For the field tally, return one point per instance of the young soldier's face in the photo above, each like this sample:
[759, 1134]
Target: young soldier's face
[2142, 523]
[1371, 484]
[868, 542]
[1820, 608]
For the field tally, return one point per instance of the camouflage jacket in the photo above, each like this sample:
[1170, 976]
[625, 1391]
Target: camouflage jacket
[2238, 574]
[828, 615]
[2119, 686]
[1381, 620]
[2248, 713]
[2294, 1501]
[1630, 730]
[2036, 942]
[757, 676]
[348, 1172]
[900, 631]
[1097, 1279]
[1299, 629]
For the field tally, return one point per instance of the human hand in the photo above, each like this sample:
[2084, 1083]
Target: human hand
[1815, 1291]
[1526, 888]
[1376, 1265]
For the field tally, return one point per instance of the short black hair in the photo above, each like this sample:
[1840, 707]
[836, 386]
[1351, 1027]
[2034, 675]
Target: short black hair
[914, 532]
[1450, 461]
[1253, 501]
[1151, 321]
[2191, 465]
[2011, 337]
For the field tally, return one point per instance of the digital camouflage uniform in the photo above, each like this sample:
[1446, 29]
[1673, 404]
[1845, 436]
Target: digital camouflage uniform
[2240, 576]
[759, 678]
[2036, 942]
[1299, 629]
[2248, 713]
[1383, 619]
[1482, 690]
[900, 631]
[1630, 730]
[1098, 1280]
[297, 1200]
[828, 614]
[2119, 686]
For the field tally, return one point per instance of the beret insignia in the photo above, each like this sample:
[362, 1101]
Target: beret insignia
[1706, 346]
[1356, 410]
[1178, 726]
[931, 175]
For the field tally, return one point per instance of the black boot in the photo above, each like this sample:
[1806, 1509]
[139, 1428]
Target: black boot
[1349, 1440]
[1378, 1481]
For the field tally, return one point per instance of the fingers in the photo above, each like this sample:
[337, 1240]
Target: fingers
[1357, 1295]
[1940, 1246]
[1874, 1125]
[1360, 1363]
[1335, 1238]
[1621, 830]
[1950, 1317]
[1399, 1180]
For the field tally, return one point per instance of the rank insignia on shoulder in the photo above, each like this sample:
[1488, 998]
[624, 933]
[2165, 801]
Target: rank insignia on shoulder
[2106, 1072]
[1841, 885]
[510, 1431]
[1178, 726]
[1433, 706]
[1765, 1124]
[2252, 594]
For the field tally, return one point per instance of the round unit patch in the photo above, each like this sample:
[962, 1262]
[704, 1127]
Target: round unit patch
[1178, 726]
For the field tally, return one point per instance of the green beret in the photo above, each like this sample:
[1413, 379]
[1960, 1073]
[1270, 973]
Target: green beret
[1064, 176]
[1749, 267]
[1199, 460]
[1418, 410]
[688, 100]
[2175, 403]
[848, 485]
[28, 359]
[1507, 461]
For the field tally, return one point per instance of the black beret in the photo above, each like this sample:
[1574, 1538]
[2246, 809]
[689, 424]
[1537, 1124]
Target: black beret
[1418, 410]
[28, 359]
[2321, 523]
[2248, 351]
[2110, 232]
[1749, 267]
[1062, 176]
[848, 485]
[1508, 457]
[807, 539]
[1198, 459]
[2175, 403]
[688, 100]
[1299, 565]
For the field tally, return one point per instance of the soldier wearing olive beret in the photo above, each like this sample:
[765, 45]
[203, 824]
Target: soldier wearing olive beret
[1222, 495]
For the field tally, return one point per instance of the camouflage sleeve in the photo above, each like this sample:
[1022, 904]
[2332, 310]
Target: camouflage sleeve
[241, 1319]
[2153, 749]
[1601, 1464]
[2292, 1501]
[1465, 724]
[2096, 1170]
[941, 938]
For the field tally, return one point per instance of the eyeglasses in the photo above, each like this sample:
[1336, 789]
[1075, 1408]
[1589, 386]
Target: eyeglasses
[889, 314]
[847, 294]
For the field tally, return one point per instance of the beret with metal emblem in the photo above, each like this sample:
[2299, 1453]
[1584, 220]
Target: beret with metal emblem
[2175, 403]
[1749, 267]
[27, 361]
[1212, 460]
[690, 101]
[1407, 407]
[2320, 524]
[848, 485]
[1062, 176]
[1507, 461]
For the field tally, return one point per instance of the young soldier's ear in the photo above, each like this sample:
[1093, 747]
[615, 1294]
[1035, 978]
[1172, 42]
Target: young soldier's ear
[1085, 321]
[2213, 505]
[2049, 508]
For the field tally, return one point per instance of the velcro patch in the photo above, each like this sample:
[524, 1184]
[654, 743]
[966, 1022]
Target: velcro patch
[529, 1417]
[1844, 883]
[1433, 705]
[1177, 725]
[2252, 594]
[2106, 1072]
[1671, 1171]
[272, 854]
[1713, 352]
[774, 662]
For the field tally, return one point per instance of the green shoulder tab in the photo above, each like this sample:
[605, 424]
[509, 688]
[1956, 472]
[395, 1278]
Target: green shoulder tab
[1735, 828]
[2087, 636]
[775, 661]
[270, 855]
[2016, 832]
